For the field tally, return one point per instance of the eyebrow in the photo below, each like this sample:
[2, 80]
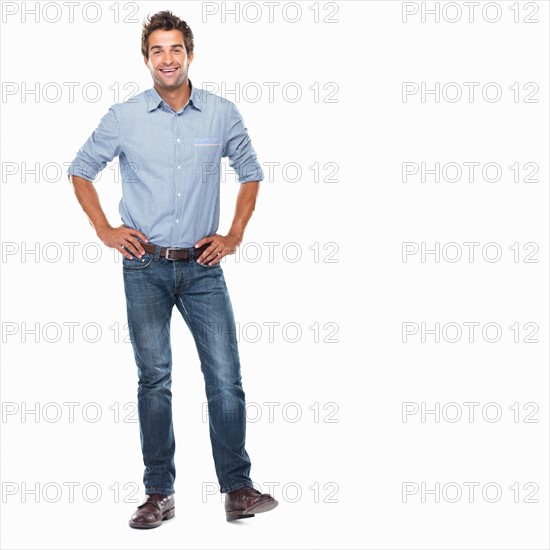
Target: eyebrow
[172, 46]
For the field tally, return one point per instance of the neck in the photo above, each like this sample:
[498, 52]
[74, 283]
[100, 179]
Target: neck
[176, 98]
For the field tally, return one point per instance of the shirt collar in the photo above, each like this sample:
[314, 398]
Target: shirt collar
[154, 99]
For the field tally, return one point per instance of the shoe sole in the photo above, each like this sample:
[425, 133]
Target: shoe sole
[250, 512]
[166, 515]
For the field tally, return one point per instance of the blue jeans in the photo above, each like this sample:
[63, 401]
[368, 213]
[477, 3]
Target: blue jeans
[153, 285]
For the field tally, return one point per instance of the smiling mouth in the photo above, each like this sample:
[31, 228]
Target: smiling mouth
[172, 70]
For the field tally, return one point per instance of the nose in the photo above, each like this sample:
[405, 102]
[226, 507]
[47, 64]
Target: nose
[167, 58]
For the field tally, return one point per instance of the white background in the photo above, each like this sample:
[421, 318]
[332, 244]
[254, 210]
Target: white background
[339, 475]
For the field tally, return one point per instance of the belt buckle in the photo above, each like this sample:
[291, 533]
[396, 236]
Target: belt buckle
[167, 256]
[175, 249]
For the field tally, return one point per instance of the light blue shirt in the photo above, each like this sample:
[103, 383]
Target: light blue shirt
[170, 162]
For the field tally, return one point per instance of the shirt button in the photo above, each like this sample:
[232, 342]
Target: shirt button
[177, 221]
[178, 140]
[179, 167]
[179, 194]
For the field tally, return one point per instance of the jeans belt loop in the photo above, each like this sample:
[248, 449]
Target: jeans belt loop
[157, 253]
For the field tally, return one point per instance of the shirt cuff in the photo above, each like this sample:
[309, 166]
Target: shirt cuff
[82, 169]
[251, 171]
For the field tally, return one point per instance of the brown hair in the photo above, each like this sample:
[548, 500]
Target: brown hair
[167, 21]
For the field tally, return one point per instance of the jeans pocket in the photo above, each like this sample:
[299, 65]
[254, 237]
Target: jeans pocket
[135, 264]
[206, 266]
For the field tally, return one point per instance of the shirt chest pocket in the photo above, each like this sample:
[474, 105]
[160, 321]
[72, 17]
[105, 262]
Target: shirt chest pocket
[208, 154]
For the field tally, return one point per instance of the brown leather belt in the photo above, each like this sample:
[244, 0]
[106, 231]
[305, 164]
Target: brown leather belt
[175, 253]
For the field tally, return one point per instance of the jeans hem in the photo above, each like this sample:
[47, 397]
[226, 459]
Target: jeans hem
[235, 487]
[150, 490]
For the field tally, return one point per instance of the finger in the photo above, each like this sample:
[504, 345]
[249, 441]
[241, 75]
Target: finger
[134, 247]
[210, 253]
[217, 259]
[204, 240]
[133, 236]
[123, 251]
[137, 245]
[218, 255]
[205, 256]
[139, 235]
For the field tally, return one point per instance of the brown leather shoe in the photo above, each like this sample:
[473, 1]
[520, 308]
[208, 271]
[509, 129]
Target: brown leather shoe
[245, 502]
[153, 511]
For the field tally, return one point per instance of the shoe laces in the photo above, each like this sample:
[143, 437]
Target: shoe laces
[154, 498]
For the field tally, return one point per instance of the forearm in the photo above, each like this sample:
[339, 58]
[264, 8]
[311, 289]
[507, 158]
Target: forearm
[246, 202]
[89, 201]
[124, 239]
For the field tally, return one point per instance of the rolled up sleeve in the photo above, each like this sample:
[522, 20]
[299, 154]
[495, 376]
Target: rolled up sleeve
[100, 148]
[238, 148]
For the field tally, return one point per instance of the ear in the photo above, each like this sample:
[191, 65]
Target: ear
[190, 57]
[146, 61]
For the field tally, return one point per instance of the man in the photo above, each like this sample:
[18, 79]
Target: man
[170, 140]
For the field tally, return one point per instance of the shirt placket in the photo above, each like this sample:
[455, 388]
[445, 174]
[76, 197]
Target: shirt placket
[177, 136]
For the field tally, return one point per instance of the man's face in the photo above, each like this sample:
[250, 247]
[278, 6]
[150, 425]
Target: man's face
[168, 60]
